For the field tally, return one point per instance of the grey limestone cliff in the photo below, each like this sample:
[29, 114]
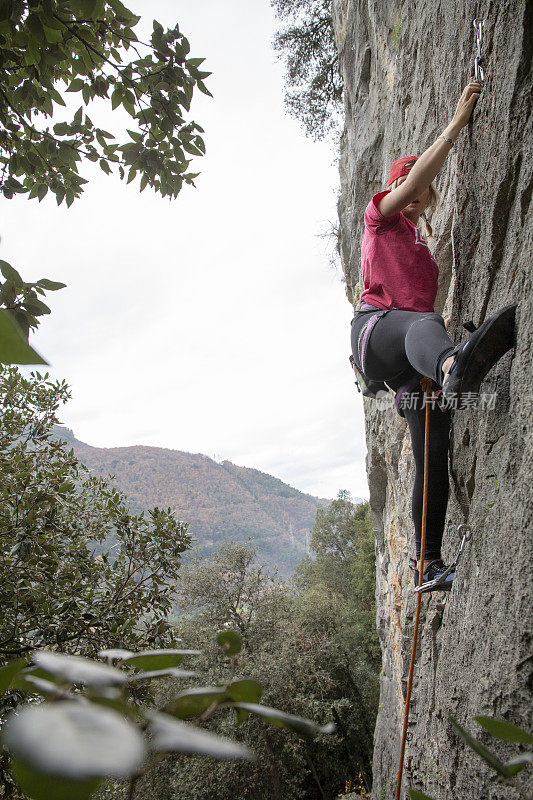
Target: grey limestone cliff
[404, 67]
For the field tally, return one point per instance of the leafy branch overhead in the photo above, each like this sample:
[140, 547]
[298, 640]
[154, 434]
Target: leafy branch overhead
[52, 48]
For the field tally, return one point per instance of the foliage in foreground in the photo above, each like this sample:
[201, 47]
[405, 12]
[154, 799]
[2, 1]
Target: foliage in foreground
[314, 650]
[78, 572]
[313, 82]
[90, 727]
[506, 771]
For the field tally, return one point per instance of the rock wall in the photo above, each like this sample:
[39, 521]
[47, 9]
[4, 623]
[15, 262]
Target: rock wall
[404, 67]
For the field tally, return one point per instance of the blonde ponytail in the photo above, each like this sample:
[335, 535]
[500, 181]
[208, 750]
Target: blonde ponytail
[434, 199]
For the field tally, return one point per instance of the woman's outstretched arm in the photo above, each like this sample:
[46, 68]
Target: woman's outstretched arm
[430, 162]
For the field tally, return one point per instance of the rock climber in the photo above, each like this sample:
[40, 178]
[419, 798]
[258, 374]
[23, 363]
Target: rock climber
[397, 337]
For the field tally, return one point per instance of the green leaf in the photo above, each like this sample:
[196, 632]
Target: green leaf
[105, 166]
[8, 672]
[56, 97]
[192, 148]
[128, 105]
[48, 787]
[203, 88]
[33, 53]
[61, 128]
[504, 730]
[171, 672]
[245, 690]
[414, 794]
[53, 36]
[51, 286]
[171, 736]
[488, 757]
[518, 763]
[121, 10]
[300, 725]
[241, 715]
[36, 685]
[76, 85]
[158, 659]
[85, 8]
[14, 349]
[74, 741]
[116, 98]
[11, 274]
[137, 137]
[20, 682]
[193, 702]
[36, 307]
[115, 653]
[76, 669]
[230, 642]
[35, 27]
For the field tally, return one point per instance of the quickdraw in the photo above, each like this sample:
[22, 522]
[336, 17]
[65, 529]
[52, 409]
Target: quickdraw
[467, 534]
[479, 72]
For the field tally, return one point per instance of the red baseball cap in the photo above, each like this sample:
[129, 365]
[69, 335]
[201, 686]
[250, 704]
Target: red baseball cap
[399, 168]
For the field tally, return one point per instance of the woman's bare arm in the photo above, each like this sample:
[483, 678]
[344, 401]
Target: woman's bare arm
[430, 162]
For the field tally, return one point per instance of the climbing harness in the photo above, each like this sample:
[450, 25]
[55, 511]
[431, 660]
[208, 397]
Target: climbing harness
[479, 72]
[367, 387]
[427, 587]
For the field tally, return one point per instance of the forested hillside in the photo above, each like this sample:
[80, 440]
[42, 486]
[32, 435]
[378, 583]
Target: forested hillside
[219, 501]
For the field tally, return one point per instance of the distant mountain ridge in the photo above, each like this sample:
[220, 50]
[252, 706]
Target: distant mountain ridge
[220, 501]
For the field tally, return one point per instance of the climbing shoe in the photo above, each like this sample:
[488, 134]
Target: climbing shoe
[477, 356]
[436, 577]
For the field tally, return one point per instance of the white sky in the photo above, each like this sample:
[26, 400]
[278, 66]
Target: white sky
[213, 323]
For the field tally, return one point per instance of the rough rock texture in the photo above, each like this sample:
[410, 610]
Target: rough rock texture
[404, 67]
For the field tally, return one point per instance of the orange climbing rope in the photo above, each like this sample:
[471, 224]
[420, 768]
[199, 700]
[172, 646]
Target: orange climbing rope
[426, 384]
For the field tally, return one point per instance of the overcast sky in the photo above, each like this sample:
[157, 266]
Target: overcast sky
[213, 323]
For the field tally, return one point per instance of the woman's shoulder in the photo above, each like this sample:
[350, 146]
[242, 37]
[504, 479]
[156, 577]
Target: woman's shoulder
[375, 222]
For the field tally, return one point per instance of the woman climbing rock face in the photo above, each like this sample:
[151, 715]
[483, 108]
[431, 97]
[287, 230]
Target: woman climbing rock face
[397, 338]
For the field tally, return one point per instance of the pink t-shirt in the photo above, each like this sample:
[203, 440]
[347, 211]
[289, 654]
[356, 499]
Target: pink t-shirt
[398, 269]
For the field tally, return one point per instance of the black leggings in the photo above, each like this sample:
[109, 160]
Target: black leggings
[404, 345]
